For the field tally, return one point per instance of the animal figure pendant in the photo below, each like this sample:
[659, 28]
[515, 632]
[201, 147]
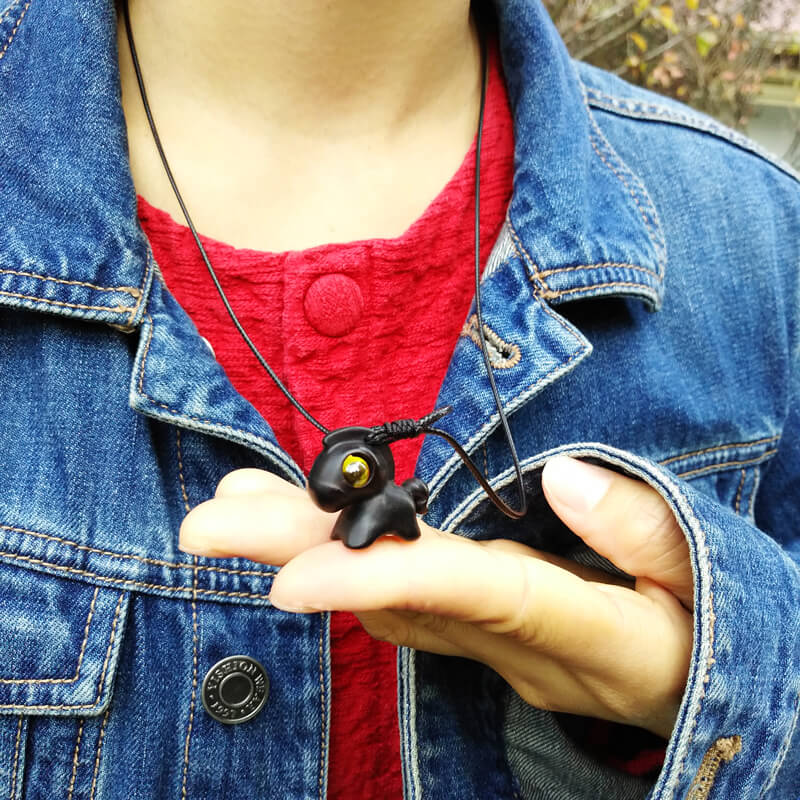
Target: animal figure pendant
[356, 477]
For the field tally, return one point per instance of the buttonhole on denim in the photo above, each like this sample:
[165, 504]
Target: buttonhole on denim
[724, 749]
[502, 354]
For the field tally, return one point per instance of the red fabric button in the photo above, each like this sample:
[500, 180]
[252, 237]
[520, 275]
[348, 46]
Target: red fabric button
[333, 305]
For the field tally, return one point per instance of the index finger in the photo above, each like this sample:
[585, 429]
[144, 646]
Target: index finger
[441, 574]
[258, 516]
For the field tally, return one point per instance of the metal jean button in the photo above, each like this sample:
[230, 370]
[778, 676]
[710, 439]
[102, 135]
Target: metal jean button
[235, 689]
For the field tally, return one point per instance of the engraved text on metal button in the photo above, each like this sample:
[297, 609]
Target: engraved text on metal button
[235, 689]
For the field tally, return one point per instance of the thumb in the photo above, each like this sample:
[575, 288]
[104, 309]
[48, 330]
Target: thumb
[623, 519]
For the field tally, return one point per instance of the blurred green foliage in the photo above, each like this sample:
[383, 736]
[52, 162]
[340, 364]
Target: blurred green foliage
[713, 54]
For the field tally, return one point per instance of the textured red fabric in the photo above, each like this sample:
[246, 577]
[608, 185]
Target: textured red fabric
[361, 333]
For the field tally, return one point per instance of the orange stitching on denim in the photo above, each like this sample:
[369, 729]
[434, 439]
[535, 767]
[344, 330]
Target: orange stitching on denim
[546, 272]
[724, 749]
[144, 356]
[547, 310]
[75, 761]
[132, 290]
[739, 491]
[100, 682]
[638, 109]
[194, 687]
[726, 465]
[505, 355]
[145, 276]
[323, 709]
[99, 750]
[80, 657]
[68, 305]
[523, 253]
[719, 447]
[562, 292]
[154, 561]
[183, 483]
[16, 760]
[126, 582]
[16, 28]
[619, 176]
[551, 294]
[597, 134]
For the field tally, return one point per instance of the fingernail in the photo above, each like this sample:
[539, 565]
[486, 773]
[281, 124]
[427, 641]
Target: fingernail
[294, 606]
[200, 547]
[576, 484]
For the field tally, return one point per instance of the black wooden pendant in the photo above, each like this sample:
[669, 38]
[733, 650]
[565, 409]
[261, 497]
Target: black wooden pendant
[356, 476]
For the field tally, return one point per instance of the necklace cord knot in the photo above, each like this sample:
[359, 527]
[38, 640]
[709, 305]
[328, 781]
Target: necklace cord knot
[405, 428]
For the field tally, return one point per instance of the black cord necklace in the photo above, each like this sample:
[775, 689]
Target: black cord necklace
[354, 473]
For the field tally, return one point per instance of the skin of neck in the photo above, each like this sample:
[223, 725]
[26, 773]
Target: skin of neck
[359, 110]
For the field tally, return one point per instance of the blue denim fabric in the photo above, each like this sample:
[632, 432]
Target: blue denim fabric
[646, 287]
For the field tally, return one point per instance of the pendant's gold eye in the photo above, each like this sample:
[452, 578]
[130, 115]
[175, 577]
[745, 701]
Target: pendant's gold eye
[356, 471]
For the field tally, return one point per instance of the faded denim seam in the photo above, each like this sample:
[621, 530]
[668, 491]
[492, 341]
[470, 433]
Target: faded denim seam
[726, 446]
[726, 465]
[98, 752]
[739, 490]
[638, 109]
[240, 436]
[12, 796]
[100, 682]
[412, 788]
[131, 290]
[80, 656]
[127, 582]
[323, 757]
[65, 304]
[150, 267]
[15, 29]
[75, 760]
[646, 208]
[782, 751]
[178, 565]
[752, 497]
[544, 273]
[537, 278]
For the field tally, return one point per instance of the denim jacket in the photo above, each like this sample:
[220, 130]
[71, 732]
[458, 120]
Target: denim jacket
[644, 295]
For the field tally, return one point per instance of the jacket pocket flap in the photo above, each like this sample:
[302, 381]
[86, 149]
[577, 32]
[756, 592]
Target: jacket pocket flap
[59, 643]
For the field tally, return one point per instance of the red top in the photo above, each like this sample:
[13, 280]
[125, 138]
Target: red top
[361, 333]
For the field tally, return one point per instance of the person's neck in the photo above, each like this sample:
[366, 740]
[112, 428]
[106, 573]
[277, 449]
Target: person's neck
[310, 62]
[305, 82]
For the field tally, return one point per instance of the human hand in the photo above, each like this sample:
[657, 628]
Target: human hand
[565, 637]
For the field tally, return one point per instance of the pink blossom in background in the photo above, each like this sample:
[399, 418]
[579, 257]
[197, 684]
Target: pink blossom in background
[784, 16]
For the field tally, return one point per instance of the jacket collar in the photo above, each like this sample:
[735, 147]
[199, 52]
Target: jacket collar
[70, 242]
[579, 217]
